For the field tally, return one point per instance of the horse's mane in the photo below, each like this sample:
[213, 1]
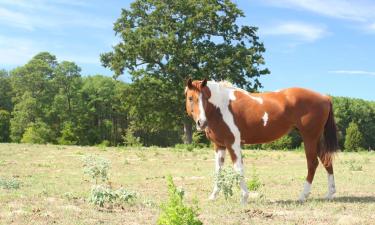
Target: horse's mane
[225, 83]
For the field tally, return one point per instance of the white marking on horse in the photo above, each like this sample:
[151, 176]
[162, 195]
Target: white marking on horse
[219, 162]
[265, 119]
[306, 191]
[202, 113]
[221, 95]
[331, 187]
[258, 99]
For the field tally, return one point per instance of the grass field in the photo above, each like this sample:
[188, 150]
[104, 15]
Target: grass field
[54, 189]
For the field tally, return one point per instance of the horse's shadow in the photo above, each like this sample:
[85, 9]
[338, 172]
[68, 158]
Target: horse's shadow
[340, 199]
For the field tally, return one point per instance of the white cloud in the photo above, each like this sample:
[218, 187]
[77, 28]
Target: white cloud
[43, 14]
[16, 51]
[353, 72]
[360, 11]
[298, 30]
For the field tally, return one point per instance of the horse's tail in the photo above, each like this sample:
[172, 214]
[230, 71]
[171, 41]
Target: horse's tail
[330, 143]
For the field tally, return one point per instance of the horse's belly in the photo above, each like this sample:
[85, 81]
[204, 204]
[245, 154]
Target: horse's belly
[262, 134]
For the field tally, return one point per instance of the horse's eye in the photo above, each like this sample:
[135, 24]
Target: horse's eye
[190, 98]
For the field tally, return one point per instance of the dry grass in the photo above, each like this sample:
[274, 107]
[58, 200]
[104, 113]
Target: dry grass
[54, 189]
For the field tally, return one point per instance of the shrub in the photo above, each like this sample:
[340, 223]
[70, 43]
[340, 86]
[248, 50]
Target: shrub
[174, 212]
[68, 136]
[9, 183]
[96, 168]
[254, 183]
[353, 138]
[200, 140]
[37, 133]
[226, 179]
[285, 142]
[102, 195]
[129, 138]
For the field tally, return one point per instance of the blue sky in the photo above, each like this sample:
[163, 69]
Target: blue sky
[325, 45]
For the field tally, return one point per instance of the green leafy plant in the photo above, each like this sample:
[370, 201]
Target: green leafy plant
[174, 211]
[226, 179]
[96, 168]
[9, 183]
[353, 138]
[254, 183]
[102, 195]
[130, 139]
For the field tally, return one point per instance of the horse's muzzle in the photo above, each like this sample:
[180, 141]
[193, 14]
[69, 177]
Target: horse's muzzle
[201, 125]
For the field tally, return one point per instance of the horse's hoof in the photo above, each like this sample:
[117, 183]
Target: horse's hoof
[244, 199]
[329, 196]
[212, 198]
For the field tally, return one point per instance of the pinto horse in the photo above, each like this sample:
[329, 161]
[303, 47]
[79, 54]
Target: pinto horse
[231, 117]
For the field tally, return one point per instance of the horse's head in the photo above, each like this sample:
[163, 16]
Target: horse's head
[197, 94]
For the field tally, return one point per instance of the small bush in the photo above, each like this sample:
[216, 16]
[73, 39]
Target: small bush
[353, 138]
[187, 147]
[284, 143]
[96, 168]
[9, 183]
[68, 136]
[102, 195]
[174, 212]
[254, 183]
[129, 138]
[226, 179]
[37, 133]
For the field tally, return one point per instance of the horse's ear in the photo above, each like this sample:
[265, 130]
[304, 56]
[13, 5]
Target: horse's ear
[204, 83]
[189, 83]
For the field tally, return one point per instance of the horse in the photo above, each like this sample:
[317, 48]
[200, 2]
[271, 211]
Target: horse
[232, 117]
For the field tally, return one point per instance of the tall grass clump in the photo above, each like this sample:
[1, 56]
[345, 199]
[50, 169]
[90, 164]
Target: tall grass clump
[174, 211]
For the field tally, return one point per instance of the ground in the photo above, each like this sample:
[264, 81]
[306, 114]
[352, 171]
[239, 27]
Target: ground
[54, 189]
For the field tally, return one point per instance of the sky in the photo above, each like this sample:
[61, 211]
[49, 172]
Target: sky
[324, 45]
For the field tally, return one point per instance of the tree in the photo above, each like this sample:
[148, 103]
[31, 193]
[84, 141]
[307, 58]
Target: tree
[4, 125]
[353, 138]
[5, 91]
[173, 40]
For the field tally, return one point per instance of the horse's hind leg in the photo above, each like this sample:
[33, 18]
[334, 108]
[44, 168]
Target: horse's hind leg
[331, 180]
[311, 151]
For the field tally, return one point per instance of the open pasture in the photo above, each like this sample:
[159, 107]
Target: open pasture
[54, 190]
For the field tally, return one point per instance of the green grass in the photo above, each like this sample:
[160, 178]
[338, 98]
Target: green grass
[55, 190]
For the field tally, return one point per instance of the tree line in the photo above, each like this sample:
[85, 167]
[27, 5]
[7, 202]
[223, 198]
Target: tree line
[46, 101]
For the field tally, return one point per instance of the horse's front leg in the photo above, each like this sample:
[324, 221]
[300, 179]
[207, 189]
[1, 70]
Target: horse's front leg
[219, 162]
[238, 166]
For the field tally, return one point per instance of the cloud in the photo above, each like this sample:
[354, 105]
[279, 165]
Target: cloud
[357, 10]
[301, 31]
[353, 72]
[43, 14]
[360, 12]
[16, 51]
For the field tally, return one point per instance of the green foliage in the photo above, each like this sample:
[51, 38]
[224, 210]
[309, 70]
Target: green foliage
[102, 195]
[285, 142]
[68, 135]
[254, 183]
[96, 167]
[130, 139]
[4, 125]
[353, 138]
[37, 133]
[9, 183]
[174, 211]
[226, 179]
[200, 139]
